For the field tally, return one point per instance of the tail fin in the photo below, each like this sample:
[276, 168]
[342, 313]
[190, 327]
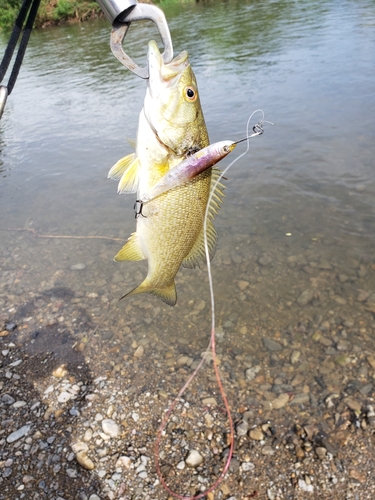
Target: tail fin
[167, 294]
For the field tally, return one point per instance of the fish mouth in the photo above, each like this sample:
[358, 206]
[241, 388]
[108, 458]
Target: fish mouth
[161, 73]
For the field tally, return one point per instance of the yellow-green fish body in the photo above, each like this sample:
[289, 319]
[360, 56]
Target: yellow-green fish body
[170, 229]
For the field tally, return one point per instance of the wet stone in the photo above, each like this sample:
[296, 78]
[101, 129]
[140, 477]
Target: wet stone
[280, 401]
[78, 267]
[271, 345]
[366, 389]
[294, 358]
[300, 399]
[305, 298]
[265, 260]
[139, 352]
[342, 360]
[251, 373]
[353, 404]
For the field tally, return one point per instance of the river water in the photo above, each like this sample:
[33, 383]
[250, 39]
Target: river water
[297, 227]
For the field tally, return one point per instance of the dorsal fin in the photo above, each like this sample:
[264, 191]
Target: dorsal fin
[197, 253]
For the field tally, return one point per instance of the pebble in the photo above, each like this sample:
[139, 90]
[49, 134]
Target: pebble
[297, 380]
[242, 285]
[309, 488]
[72, 473]
[88, 435]
[18, 434]
[271, 345]
[78, 267]
[84, 460]
[247, 466]
[294, 358]
[256, 434]
[139, 352]
[366, 389]
[209, 401]
[265, 260]
[300, 398]
[64, 397]
[110, 427]
[10, 327]
[268, 450]
[354, 405]
[60, 372]
[357, 475]
[280, 401]
[124, 461]
[242, 428]
[79, 446]
[305, 298]
[321, 452]
[194, 459]
[251, 373]
[7, 399]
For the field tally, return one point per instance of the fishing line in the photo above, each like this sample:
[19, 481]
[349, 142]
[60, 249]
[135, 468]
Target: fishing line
[257, 130]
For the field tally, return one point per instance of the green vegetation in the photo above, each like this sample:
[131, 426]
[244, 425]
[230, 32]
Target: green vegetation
[50, 12]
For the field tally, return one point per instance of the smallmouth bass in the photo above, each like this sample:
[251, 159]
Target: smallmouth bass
[171, 126]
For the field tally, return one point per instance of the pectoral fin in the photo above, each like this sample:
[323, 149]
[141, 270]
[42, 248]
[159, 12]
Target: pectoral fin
[167, 294]
[126, 170]
[131, 250]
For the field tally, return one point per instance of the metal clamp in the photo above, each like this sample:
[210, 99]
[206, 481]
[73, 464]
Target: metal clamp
[117, 10]
[119, 30]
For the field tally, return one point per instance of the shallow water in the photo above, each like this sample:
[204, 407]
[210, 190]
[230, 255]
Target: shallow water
[306, 188]
[295, 261]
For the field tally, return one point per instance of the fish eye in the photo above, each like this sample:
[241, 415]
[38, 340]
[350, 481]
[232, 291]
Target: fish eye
[190, 94]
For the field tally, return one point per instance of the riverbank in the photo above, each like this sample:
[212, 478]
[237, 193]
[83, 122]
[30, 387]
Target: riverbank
[52, 12]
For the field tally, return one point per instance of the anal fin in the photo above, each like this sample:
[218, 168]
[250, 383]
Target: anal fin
[131, 250]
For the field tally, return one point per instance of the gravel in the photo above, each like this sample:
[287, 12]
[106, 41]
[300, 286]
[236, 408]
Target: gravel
[85, 382]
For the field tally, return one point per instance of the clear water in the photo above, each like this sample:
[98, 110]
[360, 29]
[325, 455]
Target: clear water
[308, 65]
